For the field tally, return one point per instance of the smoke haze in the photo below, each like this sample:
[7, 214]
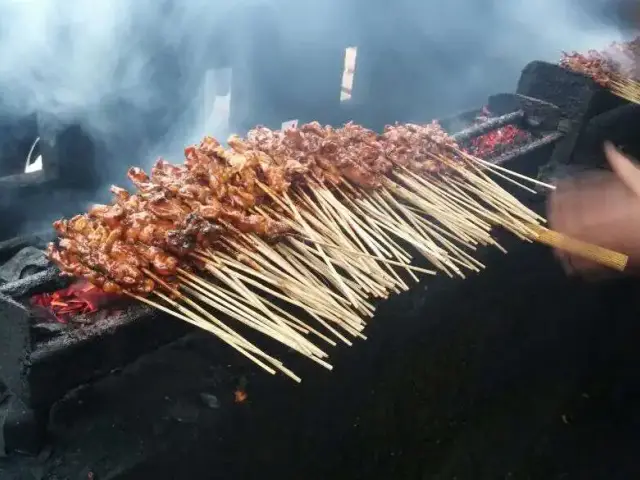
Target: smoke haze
[132, 73]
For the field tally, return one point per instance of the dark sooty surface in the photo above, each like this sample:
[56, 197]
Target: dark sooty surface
[515, 373]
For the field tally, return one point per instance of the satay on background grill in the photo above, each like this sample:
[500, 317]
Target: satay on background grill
[293, 233]
[614, 68]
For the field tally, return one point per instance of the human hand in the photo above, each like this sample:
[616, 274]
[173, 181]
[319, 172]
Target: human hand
[602, 208]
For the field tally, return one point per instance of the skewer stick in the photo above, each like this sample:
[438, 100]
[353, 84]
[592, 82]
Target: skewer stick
[508, 179]
[475, 265]
[399, 253]
[287, 282]
[456, 254]
[347, 291]
[311, 311]
[331, 235]
[314, 312]
[311, 260]
[480, 178]
[277, 364]
[298, 275]
[364, 270]
[462, 224]
[211, 318]
[281, 335]
[489, 189]
[376, 258]
[260, 327]
[491, 166]
[204, 286]
[298, 347]
[360, 234]
[440, 230]
[291, 288]
[203, 326]
[230, 262]
[368, 274]
[417, 236]
[603, 256]
[351, 225]
[501, 216]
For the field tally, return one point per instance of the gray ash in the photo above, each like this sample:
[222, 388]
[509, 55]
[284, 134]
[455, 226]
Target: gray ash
[23, 256]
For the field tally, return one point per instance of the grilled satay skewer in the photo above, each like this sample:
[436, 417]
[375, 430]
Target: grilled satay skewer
[352, 195]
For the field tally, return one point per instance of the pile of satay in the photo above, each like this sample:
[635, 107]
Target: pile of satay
[294, 233]
[614, 68]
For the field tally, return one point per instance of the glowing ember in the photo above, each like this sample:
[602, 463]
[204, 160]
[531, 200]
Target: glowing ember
[240, 396]
[81, 298]
[492, 143]
[488, 143]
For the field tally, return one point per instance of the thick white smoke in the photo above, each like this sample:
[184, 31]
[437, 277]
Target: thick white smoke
[546, 27]
[88, 61]
[132, 72]
[75, 59]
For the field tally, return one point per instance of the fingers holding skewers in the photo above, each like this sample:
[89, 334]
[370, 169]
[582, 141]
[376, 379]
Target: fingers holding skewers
[602, 208]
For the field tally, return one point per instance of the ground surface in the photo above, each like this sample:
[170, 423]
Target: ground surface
[516, 374]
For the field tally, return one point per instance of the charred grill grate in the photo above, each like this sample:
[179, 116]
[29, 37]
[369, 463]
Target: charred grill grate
[510, 126]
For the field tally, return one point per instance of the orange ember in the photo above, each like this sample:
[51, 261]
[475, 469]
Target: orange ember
[78, 299]
[240, 396]
[488, 144]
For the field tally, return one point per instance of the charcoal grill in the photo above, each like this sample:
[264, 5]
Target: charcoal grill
[566, 114]
[42, 360]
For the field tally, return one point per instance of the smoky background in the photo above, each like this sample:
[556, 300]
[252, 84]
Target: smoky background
[114, 83]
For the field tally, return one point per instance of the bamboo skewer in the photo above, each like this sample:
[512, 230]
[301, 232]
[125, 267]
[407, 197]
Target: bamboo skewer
[204, 326]
[626, 88]
[616, 261]
[221, 327]
[377, 258]
[492, 166]
[209, 289]
[312, 310]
